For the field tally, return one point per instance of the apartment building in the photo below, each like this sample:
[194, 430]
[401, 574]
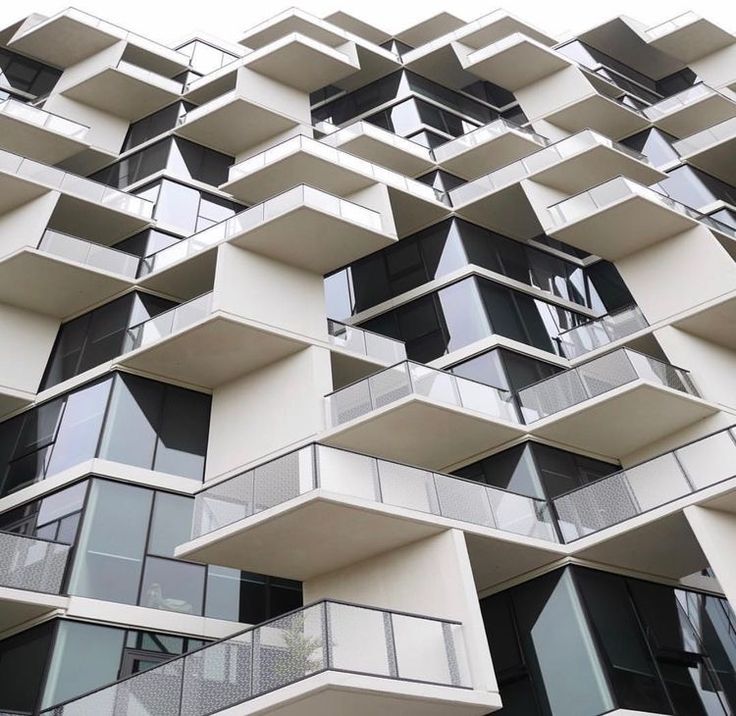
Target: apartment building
[345, 372]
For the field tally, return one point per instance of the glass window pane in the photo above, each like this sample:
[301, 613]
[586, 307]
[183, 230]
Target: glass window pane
[111, 545]
[131, 426]
[85, 657]
[173, 586]
[183, 433]
[171, 524]
[22, 662]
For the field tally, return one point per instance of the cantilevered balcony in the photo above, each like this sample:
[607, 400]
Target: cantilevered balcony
[326, 658]
[303, 227]
[37, 134]
[614, 404]
[39, 278]
[347, 507]
[357, 353]
[634, 518]
[498, 201]
[378, 145]
[514, 62]
[31, 574]
[713, 320]
[84, 206]
[594, 110]
[692, 110]
[302, 62]
[374, 61]
[305, 160]
[233, 122]
[688, 37]
[125, 90]
[420, 415]
[620, 217]
[487, 148]
[712, 150]
[70, 36]
[440, 60]
[602, 331]
[170, 344]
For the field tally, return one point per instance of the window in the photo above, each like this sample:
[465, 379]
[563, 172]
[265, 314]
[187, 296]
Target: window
[205, 58]
[154, 124]
[537, 470]
[455, 243]
[146, 423]
[578, 642]
[467, 311]
[695, 188]
[99, 335]
[655, 145]
[21, 73]
[179, 157]
[125, 553]
[186, 210]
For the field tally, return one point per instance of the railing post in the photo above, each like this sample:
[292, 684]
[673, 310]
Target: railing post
[388, 630]
[326, 634]
[451, 652]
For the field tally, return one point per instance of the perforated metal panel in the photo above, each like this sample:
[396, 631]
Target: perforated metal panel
[32, 564]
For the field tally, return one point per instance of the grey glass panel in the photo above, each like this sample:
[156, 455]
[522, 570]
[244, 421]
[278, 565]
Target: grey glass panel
[183, 433]
[85, 656]
[80, 427]
[111, 546]
[171, 523]
[22, 663]
[130, 429]
[173, 586]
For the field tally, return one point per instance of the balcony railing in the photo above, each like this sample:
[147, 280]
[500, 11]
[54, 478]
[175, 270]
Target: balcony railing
[601, 331]
[707, 138]
[77, 186]
[409, 378]
[596, 377]
[611, 192]
[361, 476]
[34, 565]
[536, 162]
[326, 636]
[259, 214]
[89, 253]
[42, 118]
[365, 343]
[168, 322]
[651, 484]
[671, 25]
[149, 76]
[483, 134]
[339, 158]
[678, 101]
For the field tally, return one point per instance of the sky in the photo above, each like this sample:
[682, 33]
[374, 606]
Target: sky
[169, 22]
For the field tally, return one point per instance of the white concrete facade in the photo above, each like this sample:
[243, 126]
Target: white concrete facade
[387, 267]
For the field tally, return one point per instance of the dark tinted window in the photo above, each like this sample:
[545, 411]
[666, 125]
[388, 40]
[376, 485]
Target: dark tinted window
[22, 73]
[155, 124]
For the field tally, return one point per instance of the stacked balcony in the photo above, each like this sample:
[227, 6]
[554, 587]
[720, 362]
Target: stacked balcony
[693, 110]
[347, 507]
[514, 62]
[37, 134]
[602, 331]
[712, 150]
[634, 517]
[620, 217]
[644, 398]
[416, 414]
[329, 657]
[498, 201]
[31, 575]
[302, 159]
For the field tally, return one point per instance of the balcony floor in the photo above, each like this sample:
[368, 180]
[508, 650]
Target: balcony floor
[600, 113]
[44, 283]
[419, 431]
[641, 413]
[234, 347]
[18, 606]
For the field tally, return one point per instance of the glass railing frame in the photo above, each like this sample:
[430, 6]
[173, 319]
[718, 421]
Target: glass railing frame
[397, 345]
[77, 130]
[327, 646]
[540, 505]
